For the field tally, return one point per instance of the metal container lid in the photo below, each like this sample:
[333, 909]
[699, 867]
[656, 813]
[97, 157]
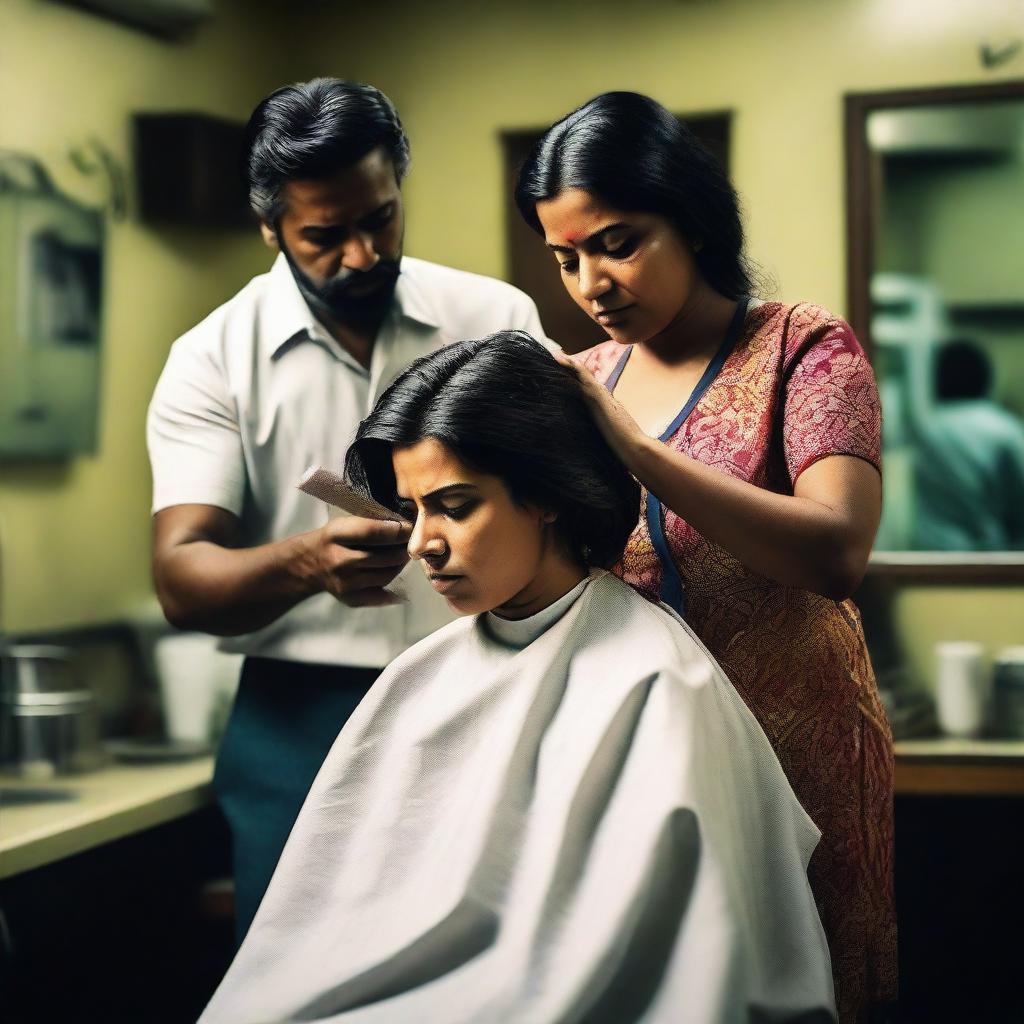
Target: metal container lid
[51, 698]
[50, 652]
[69, 702]
[1008, 671]
[1013, 655]
[36, 668]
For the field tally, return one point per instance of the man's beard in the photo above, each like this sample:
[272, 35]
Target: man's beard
[353, 296]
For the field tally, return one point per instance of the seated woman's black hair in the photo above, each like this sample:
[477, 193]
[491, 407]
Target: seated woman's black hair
[505, 407]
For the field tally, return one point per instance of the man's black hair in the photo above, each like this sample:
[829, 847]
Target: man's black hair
[314, 129]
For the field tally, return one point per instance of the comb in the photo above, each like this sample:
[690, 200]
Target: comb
[329, 487]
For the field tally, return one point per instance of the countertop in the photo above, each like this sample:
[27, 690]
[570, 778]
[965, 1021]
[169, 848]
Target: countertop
[949, 748]
[77, 812]
[945, 766]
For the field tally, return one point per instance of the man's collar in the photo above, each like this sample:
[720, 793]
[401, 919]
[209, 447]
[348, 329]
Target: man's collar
[287, 314]
[411, 298]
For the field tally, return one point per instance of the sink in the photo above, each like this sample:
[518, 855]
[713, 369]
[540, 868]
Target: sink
[14, 795]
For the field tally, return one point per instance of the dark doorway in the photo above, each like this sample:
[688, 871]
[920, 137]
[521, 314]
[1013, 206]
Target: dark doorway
[531, 265]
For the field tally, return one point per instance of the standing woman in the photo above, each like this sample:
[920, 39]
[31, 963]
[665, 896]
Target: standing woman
[753, 428]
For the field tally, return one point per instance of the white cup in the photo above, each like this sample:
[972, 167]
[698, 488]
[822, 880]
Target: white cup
[188, 666]
[962, 687]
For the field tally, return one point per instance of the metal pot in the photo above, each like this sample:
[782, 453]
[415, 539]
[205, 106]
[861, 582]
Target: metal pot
[48, 721]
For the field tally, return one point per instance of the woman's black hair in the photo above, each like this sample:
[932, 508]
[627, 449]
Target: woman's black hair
[314, 129]
[631, 152]
[505, 407]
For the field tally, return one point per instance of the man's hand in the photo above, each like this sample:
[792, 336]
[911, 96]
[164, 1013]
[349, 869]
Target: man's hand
[207, 579]
[354, 559]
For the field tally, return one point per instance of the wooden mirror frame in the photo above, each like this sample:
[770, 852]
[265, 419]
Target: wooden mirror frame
[912, 566]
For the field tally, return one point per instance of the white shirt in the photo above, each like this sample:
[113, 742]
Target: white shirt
[259, 391]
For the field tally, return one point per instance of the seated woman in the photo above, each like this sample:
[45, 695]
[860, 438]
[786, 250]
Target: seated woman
[556, 808]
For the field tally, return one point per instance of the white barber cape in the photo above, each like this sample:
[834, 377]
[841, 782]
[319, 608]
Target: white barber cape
[570, 818]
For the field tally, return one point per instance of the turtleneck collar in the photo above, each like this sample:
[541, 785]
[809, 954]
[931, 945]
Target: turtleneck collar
[520, 633]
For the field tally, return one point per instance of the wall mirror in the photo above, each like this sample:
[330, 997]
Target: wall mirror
[51, 250]
[935, 190]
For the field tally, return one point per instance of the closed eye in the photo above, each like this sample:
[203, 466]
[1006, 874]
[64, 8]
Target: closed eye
[623, 249]
[458, 511]
[325, 239]
[378, 219]
[407, 510]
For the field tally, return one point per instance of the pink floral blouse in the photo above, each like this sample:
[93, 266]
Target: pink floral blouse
[795, 387]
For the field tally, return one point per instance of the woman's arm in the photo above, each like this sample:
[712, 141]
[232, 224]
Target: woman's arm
[819, 538]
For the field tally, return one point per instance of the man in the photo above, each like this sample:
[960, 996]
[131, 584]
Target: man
[273, 381]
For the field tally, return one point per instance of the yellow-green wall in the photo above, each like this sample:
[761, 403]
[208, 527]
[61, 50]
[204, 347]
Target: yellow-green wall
[459, 73]
[75, 535]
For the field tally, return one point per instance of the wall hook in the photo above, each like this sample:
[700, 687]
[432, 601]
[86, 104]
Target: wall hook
[91, 158]
[992, 55]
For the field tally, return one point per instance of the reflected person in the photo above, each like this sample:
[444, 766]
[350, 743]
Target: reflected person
[969, 465]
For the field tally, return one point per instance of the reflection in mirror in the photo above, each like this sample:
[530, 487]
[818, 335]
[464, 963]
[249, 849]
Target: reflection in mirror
[947, 323]
[50, 285]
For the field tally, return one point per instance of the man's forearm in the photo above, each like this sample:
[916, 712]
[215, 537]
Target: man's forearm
[228, 591]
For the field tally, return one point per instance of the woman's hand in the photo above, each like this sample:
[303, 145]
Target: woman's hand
[817, 538]
[620, 430]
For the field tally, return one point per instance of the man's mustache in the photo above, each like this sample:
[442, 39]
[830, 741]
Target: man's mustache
[347, 280]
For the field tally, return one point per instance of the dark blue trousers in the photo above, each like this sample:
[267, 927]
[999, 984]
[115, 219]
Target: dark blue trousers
[284, 721]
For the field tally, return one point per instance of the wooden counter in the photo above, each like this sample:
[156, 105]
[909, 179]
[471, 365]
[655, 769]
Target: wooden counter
[78, 812]
[944, 766]
[114, 802]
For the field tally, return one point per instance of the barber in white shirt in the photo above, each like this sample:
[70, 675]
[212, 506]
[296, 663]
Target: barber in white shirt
[273, 381]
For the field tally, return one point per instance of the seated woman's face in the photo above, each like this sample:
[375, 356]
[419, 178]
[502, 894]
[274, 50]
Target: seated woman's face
[480, 549]
[630, 272]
